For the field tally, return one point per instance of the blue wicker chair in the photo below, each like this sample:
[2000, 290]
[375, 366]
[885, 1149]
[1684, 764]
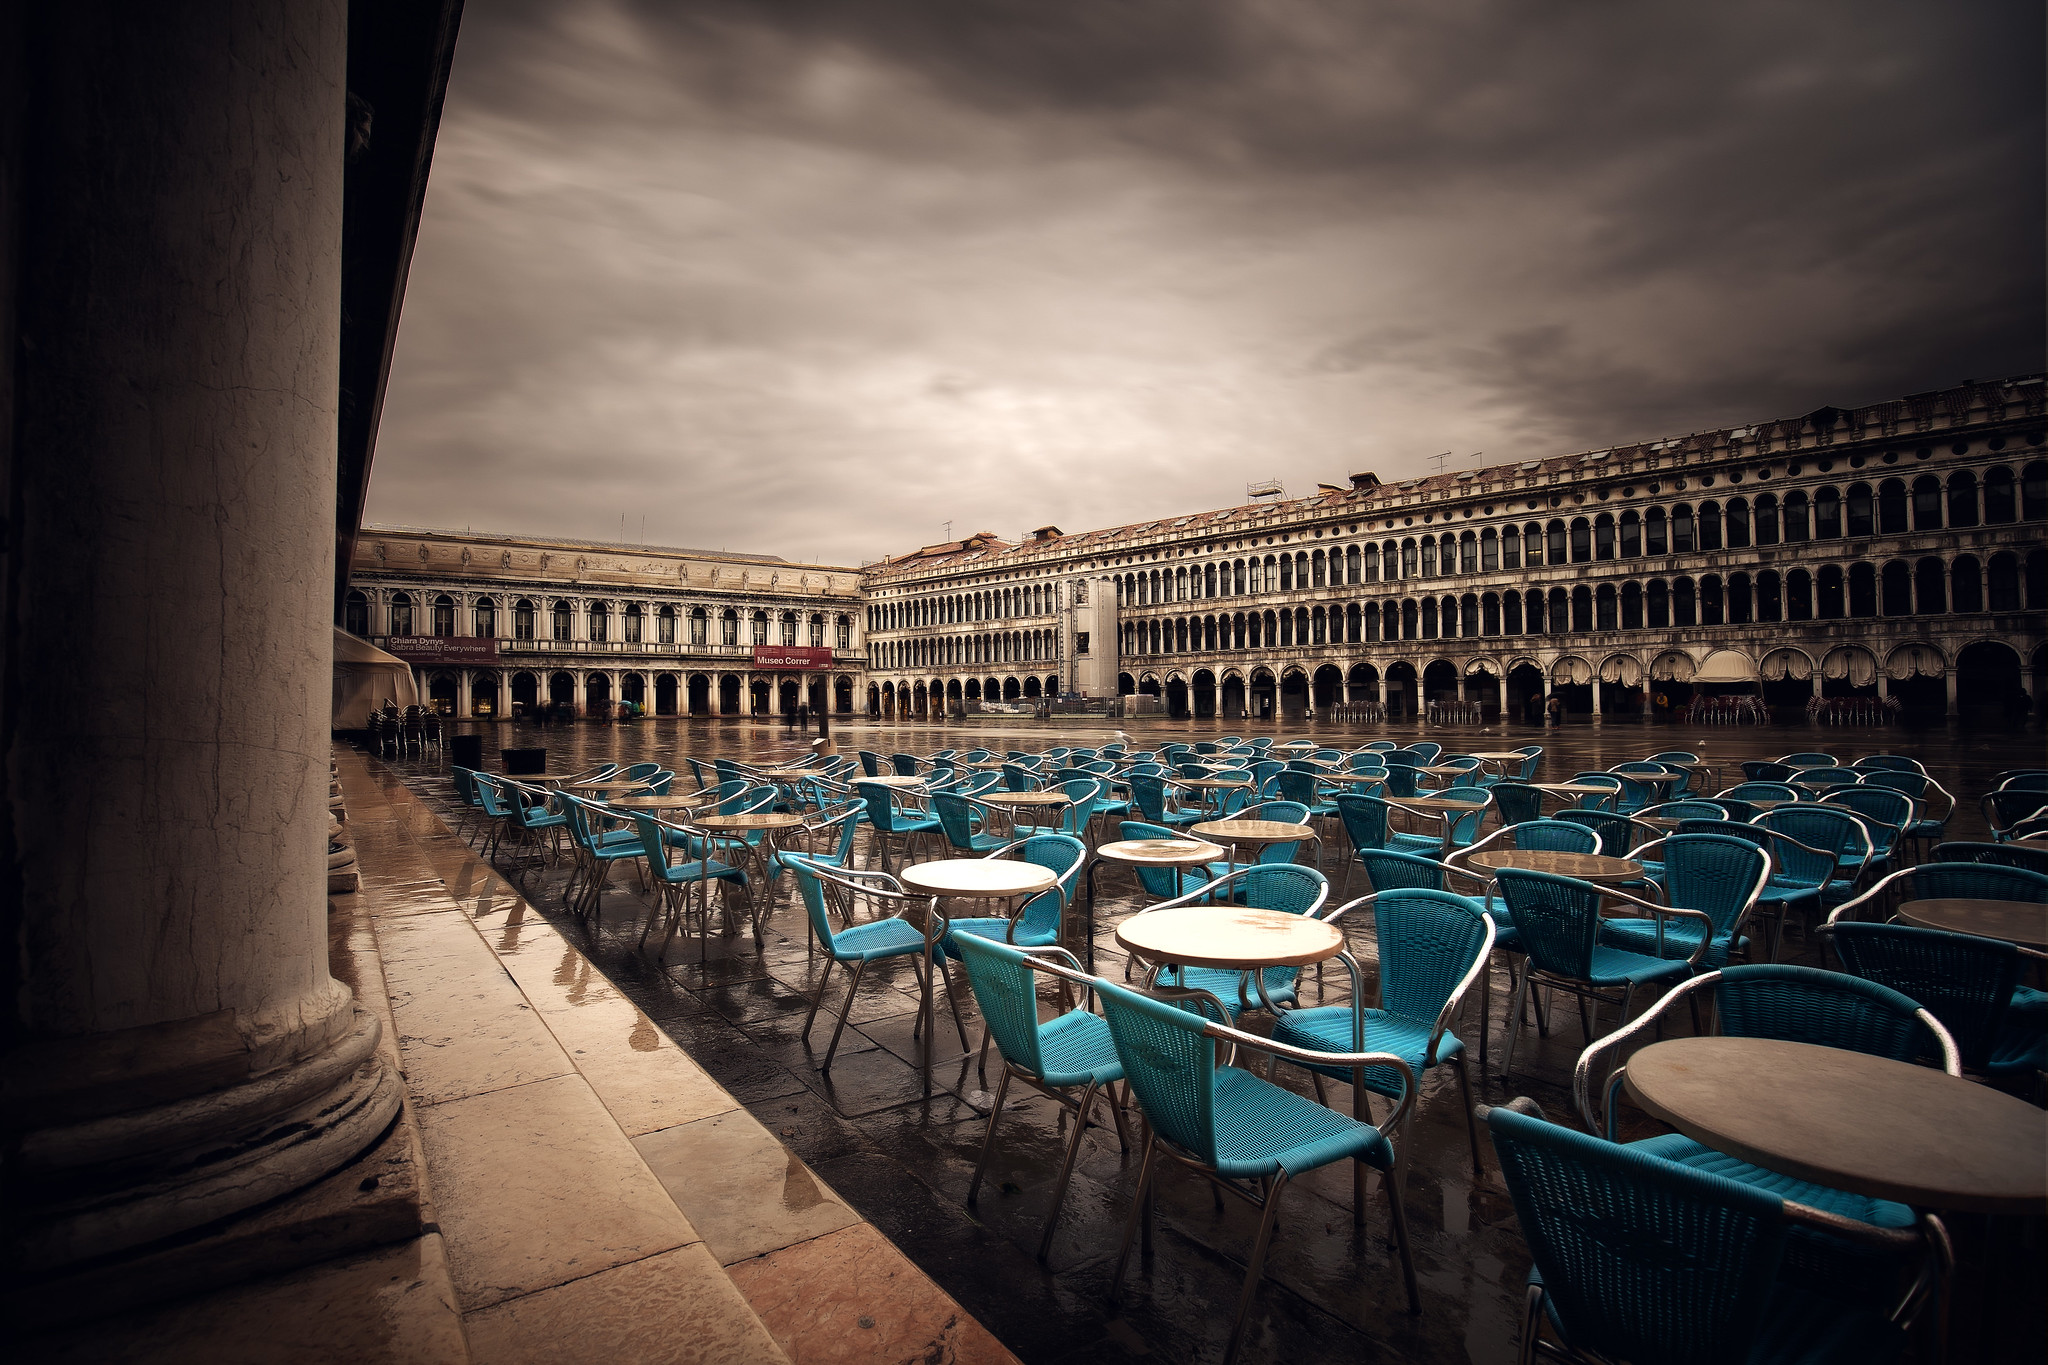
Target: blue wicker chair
[1970, 984]
[1285, 887]
[1711, 873]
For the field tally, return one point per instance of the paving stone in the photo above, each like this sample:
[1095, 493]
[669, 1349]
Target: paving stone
[743, 1191]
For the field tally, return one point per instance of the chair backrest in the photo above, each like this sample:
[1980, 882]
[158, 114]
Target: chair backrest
[1557, 917]
[906, 765]
[1285, 887]
[1761, 791]
[1006, 992]
[1388, 870]
[1911, 784]
[1674, 756]
[1808, 867]
[1696, 809]
[1810, 760]
[2008, 806]
[1149, 793]
[1082, 794]
[639, 772]
[1829, 827]
[1517, 803]
[979, 783]
[1826, 1009]
[1892, 763]
[652, 844]
[465, 784]
[1973, 882]
[1298, 787]
[1714, 874]
[870, 763]
[1617, 832]
[490, 794]
[881, 804]
[1018, 778]
[1286, 813]
[1555, 836]
[1764, 771]
[2030, 781]
[1964, 981]
[1169, 1064]
[1403, 779]
[1641, 1259]
[1060, 854]
[956, 818]
[1428, 941]
[2034, 859]
[1826, 778]
[1364, 817]
[1461, 827]
[1428, 748]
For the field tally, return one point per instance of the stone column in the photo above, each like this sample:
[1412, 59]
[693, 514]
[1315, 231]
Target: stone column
[176, 1051]
[1948, 687]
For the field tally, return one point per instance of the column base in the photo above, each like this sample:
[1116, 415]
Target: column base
[106, 1186]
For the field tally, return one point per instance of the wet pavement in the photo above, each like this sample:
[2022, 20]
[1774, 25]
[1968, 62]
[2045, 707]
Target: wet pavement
[1332, 1291]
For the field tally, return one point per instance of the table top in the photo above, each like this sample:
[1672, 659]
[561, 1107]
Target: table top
[1587, 867]
[1432, 803]
[891, 780]
[656, 802]
[1446, 770]
[1226, 936]
[983, 877]
[1025, 798]
[1213, 783]
[1296, 744]
[1571, 788]
[2021, 922]
[1507, 757]
[1161, 852]
[1662, 821]
[1251, 831]
[1850, 1121]
[757, 819]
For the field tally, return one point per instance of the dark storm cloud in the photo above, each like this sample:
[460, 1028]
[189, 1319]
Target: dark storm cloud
[818, 278]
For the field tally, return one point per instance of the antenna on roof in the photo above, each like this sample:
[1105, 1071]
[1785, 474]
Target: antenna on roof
[1447, 455]
[949, 531]
[1271, 489]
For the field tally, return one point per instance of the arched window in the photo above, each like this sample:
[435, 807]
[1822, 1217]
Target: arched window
[1799, 596]
[1287, 573]
[1966, 584]
[1409, 560]
[1631, 536]
[1737, 520]
[1797, 526]
[1710, 526]
[633, 621]
[1318, 571]
[1655, 541]
[1712, 608]
[401, 613]
[1861, 511]
[1510, 548]
[1767, 519]
[1535, 611]
[1657, 604]
[1603, 536]
[1582, 541]
[1891, 507]
[699, 625]
[1827, 515]
[760, 625]
[1468, 553]
[522, 619]
[1927, 503]
[2003, 581]
[1554, 548]
[817, 630]
[1468, 615]
[1962, 498]
[600, 620]
[1511, 613]
[1740, 601]
[1862, 590]
[2037, 579]
[1898, 589]
[1930, 587]
[1631, 605]
[1429, 618]
[1606, 614]
[1429, 557]
[1489, 551]
[1831, 604]
[1370, 562]
[1684, 604]
[729, 627]
[1532, 544]
[564, 624]
[484, 617]
[1409, 618]
[1999, 504]
[1770, 597]
[788, 624]
[1681, 529]
[2034, 492]
[1489, 614]
[665, 625]
[355, 612]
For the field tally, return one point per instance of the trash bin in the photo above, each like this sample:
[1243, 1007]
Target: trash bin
[520, 761]
[466, 751]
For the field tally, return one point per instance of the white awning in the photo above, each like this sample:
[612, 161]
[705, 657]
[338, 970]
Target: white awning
[1477, 668]
[1574, 671]
[1914, 661]
[1859, 666]
[1621, 669]
[1781, 664]
[1726, 666]
[1672, 666]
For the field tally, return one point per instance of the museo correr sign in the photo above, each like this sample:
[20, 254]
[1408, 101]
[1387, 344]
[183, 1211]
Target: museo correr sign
[443, 649]
[792, 658]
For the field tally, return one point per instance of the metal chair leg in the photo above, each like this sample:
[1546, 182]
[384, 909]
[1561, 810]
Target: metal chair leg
[1400, 1212]
[1137, 1213]
[988, 1143]
[817, 999]
[1256, 1268]
[1059, 1190]
[852, 989]
[1515, 1020]
[1471, 1118]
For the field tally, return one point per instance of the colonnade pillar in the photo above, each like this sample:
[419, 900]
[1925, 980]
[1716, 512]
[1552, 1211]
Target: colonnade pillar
[176, 1050]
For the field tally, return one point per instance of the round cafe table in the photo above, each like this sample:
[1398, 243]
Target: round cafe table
[1231, 833]
[892, 780]
[768, 823]
[1012, 802]
[1173, 853]
[1586, 867]
[679, 801]
[2021, 922]
[1850, 1121]
[1573, 788]
[974, 878]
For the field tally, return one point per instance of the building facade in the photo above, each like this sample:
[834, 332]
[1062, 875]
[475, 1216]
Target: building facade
[499, 625]
[1892, 552]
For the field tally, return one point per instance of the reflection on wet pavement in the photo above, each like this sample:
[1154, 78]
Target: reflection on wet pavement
[902, 1160]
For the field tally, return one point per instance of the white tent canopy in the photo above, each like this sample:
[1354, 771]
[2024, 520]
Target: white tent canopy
[1726, 666]
[365, 678]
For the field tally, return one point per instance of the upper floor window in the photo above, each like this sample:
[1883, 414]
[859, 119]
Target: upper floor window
[522, 619]
[600, 621]
[760, 623]
[789, 628]
[444, 615]
[665, 625]
[486, 618]
[1861, 509]
[632, 623]
[564, 629]
[1827, 515]
[355, 613]
[401, 613]
[843, 634]
[729, 627]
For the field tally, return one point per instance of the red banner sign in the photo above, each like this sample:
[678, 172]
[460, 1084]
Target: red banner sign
[443, 649]
[792, 658]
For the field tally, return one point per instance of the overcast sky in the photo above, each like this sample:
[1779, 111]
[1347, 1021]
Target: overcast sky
[814, 279]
